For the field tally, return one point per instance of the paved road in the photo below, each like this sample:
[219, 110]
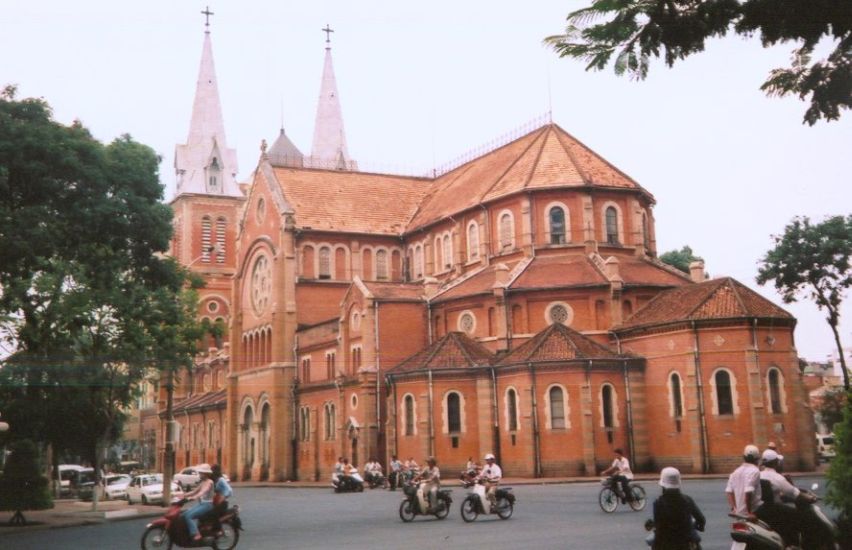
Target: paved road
[546, 517]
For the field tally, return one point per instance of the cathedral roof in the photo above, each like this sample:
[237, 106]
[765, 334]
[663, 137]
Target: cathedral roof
[557, 343]
[284, 153]
[329, 146]
[208, 400]
[722, 298]
[356, 202]
[394, 292]
[453, 351]
[546, 158]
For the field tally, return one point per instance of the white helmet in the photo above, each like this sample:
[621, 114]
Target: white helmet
[490, 456]
[670, 478]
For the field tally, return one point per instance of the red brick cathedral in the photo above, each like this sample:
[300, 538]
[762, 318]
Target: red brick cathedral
[513, 304]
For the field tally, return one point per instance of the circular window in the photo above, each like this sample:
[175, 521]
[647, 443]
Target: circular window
[261, 210]
[261, 284]
[212, 306]
[559, 312]
[467, 322]
[354, 401]
[356, 321]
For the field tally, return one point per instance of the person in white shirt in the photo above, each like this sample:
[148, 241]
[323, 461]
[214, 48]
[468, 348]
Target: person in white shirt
[785, 519]
[491, 475]
[621, 473]
[743, 488]
[431, 477]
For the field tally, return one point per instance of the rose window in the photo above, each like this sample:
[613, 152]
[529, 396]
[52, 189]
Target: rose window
[261, 284]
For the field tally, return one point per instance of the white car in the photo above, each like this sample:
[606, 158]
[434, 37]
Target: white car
[148, 489]
[189, 478]
[66, 474]
[116, 486]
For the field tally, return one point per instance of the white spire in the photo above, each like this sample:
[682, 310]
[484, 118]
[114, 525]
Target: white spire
[329, 147]
[206, 165]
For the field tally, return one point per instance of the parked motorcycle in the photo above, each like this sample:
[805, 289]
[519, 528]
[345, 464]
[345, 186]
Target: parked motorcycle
[652, 528]
[377, 480]
[416, 503]
[171, 530]
[611, 495]
[352, 483]
[477, 503]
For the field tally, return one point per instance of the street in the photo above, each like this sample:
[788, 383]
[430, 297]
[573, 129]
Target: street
[546, 516]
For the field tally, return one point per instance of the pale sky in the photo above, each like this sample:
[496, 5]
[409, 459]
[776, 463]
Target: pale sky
[423, 82]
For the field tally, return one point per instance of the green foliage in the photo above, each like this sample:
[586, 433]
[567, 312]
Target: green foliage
[635, 31]
[840, 472]
[90, 302]
[680, 259]
[22, 487]
[813, 260]
[831, 407]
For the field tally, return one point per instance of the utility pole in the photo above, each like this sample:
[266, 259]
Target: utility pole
[169, 458]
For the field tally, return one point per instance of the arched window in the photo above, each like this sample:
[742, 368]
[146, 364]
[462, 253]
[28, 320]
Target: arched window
[557, 225]
[676, 396]
[437, 255]
[608, 411]
[448, 252]
[775, 391]
[512, 409]
[206, 238]
[325, 263]
[340, 261]
[453, 412]
[557, 408]
[304, 424]
[409, 414]
[381, 265]
[724, 394]
[507, 231]
[611, 221]
[308, 262]
[418, 262]
[473, 241]
[646, 236]
[221, 225]
[330, 421]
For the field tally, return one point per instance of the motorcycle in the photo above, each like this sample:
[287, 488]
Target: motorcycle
[415, 503]
[171, 530]
[819, 532]
[652, 528]
[477, 503]
[611, 494]
[377, 480]
[352, 483]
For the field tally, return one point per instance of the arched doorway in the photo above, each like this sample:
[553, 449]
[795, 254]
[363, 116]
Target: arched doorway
[247, 444]
[264, 442]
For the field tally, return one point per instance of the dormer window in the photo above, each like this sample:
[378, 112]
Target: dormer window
[213, 173]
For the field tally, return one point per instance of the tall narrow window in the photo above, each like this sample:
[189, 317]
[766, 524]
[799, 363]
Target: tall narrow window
[606, 403]
[409, 415]
[646, 236]
[453, 412]
[774, 391]
[677, 402]
[512, 406]
[325, 263]
[507, 231]
[448, 253]
[557, 408]
[330, 421]
[473, 241]
[611, 225]
[724, 396]
[381, 265]
[557, 225]
[206, 239]
[221, 225]
[418, 262]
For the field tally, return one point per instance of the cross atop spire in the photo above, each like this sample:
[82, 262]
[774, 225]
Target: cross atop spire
[327, 30]
[207, 13]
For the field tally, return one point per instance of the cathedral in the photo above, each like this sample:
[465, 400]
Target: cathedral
[513, 304]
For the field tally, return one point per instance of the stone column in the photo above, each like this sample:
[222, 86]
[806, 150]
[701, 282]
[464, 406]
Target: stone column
[588, 426]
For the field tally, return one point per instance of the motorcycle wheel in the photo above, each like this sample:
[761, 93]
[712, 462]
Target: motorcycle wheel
[469, 509]
[156, 537]
[608, 500]
[443, 511]
[406, 511]
[229, 539]
[504, 508]
[359, 488]
[639, 500]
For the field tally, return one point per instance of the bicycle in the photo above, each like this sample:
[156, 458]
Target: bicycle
[611, 494]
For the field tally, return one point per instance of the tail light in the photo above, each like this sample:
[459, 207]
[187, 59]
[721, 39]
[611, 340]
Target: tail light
[741, 527]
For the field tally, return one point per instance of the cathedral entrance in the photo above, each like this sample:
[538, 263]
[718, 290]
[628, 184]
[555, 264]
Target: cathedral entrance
[354, 453]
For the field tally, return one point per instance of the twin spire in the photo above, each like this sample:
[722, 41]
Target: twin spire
[205, 164]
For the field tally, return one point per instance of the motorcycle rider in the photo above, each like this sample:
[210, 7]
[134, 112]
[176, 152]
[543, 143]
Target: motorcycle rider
[204, 494]
[786, 520]
[674, 513]
[491, 475]
[621, 473]
[743, 488]
[431, 477]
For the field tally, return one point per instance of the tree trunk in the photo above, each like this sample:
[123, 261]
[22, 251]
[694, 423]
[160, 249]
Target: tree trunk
[842, 358]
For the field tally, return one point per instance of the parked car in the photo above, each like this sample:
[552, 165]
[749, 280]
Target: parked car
[189, 478]
[116, 486]
[148, 489]
[825, 446]
[83, 483]
[66, 474]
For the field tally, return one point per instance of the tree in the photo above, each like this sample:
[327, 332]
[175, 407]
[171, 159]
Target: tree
[93, 303]
[840, 474]
[830, 408]
[635, 31]
[813, 260]
[22, 487]
[680, 259]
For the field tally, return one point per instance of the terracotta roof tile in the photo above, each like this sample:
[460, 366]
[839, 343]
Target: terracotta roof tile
[479, 283]
[202, 401]
[594, 168]
[715, 299]
[395, 291]
[558, 343]
[559, 270]
[641, 271]
[454, 351]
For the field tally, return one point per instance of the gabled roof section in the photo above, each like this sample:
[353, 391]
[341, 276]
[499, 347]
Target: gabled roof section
[395, 292]
[722, 298]
[558, 343]
[454, 351]
[559, 271]
[207, 400]
[547, 157]
[354, 202]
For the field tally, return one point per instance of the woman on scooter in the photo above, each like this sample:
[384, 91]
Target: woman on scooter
[204, 494]
[676, 516]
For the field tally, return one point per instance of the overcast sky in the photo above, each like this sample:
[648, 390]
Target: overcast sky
[424, 82]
